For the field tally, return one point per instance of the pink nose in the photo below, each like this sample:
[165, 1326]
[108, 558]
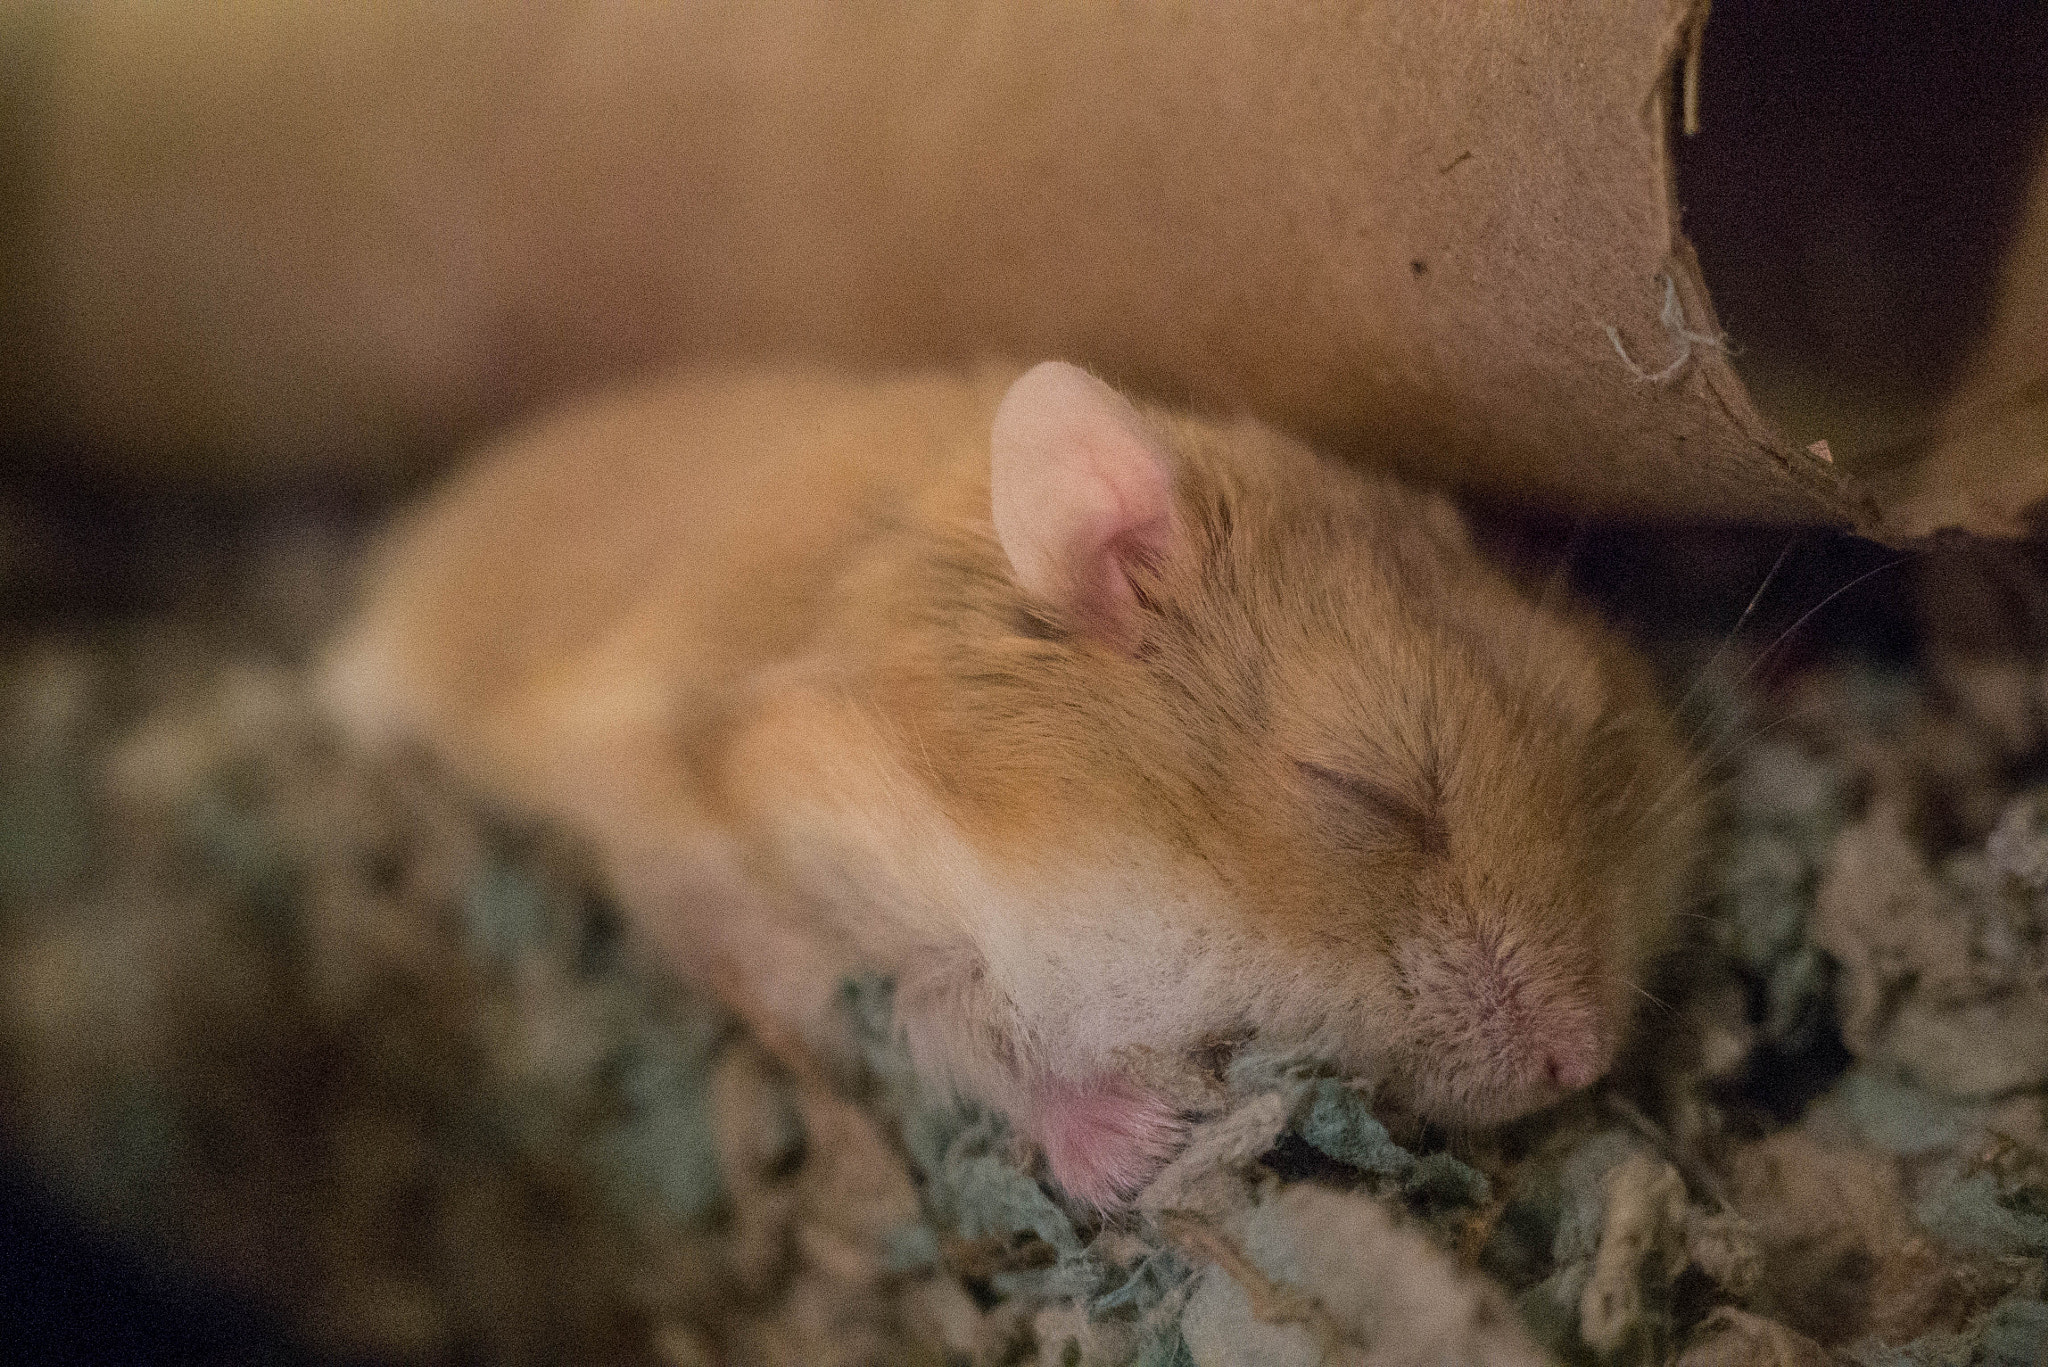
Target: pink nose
[1571, 1068]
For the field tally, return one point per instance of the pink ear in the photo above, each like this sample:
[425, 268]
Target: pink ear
[1082, 494]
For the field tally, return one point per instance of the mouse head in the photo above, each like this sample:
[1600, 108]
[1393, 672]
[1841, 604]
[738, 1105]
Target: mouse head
[1353, 793]
[1485, 828]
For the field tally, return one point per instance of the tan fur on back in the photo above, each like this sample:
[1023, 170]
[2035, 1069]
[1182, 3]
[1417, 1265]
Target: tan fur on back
[754, 633]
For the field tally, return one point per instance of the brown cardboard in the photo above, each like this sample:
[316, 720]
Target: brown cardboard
[1984, 466]
[258, 235]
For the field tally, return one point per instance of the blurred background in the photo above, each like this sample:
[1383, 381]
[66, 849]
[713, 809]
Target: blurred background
[303, 1059]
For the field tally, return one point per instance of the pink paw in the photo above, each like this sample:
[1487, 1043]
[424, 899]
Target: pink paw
[1104, 1138]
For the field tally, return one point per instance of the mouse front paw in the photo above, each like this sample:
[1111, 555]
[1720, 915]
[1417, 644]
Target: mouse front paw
[1103, 1137]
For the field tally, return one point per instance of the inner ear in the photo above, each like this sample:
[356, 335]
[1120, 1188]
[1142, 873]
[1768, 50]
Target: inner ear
[1082, 494]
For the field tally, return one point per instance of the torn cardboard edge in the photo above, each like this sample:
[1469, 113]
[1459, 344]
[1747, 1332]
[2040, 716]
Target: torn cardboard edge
[1979, 466]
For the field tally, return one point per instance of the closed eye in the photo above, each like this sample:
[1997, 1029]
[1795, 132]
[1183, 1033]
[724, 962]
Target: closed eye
[1383, 813]
[1214, 1054]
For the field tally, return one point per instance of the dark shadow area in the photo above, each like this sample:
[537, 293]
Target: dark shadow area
[72, 1294]
[1856, 179]
[79, 549]
[1817, 594]
[1782, 1080]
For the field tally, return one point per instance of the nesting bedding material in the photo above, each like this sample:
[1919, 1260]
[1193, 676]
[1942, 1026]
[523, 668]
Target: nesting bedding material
[329, 1031]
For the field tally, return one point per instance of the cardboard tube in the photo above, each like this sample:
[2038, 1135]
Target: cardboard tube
[272, 236]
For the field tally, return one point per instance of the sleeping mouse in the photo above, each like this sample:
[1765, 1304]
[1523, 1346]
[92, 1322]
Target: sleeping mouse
[1108, 731]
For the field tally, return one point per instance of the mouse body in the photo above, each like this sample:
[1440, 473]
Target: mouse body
[1110, 732]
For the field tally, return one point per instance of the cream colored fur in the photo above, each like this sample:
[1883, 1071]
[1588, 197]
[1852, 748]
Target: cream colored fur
[1315, 773]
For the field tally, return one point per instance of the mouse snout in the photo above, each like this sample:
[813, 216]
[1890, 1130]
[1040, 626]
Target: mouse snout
[1571, 1064]
[1532, 1052]
[1498, 1031]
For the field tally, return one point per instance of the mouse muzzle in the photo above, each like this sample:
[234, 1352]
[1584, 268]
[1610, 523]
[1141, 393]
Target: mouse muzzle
[1498, 1027]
